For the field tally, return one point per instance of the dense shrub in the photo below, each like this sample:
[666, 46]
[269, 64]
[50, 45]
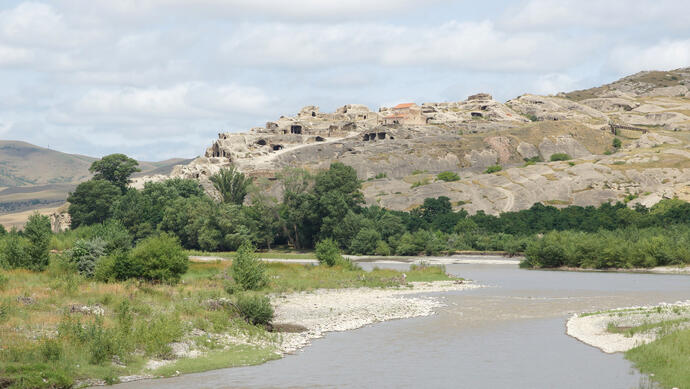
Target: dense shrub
[560, 157]
[365, 242]
[158, 258]
[14, 251]
[616, 143]
[38, 234]
[105, 269]
[493, 169]
[448, 176]
[113, 234]
[382, 248]
[327, 252]
[623, 248]
[85, 254]
[247, 270]
[255, 309]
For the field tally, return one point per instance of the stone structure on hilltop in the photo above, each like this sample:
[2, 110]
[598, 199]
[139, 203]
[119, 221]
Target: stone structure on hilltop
[409, 144]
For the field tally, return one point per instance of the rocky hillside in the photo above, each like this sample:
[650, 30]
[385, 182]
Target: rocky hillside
[399, 151]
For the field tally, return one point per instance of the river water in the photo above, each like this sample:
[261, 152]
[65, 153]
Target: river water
[508, 335]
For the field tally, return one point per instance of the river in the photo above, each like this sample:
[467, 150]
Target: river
[508, 335]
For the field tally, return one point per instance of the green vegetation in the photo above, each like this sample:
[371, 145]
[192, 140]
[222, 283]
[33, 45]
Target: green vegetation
[532, 160]
[620, 248]
[667, 358]
[52, 332]
[248, 272]
[255, 309]
[327, 252]
[448, 176]
[493, 169]
[232, 185]
[560, 157]
[616, 143]
[116, 169]
[380, 176]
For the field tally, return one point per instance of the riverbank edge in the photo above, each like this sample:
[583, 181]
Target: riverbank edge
[484, 258]
[592, 328]
[332, 310]
[667, 270]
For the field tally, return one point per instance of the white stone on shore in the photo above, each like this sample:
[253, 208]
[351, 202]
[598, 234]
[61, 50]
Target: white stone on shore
[592, 329]
[326, 310]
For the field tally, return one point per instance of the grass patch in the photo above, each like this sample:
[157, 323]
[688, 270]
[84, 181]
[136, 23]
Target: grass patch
[233, 356]
[663, 327]
[667, 358]
[47, 341]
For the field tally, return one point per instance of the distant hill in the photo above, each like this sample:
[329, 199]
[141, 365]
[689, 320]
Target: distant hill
[23, 164]
[638, 84]
[33, 177]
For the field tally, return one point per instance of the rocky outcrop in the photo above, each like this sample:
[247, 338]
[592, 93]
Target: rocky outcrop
[409, 144]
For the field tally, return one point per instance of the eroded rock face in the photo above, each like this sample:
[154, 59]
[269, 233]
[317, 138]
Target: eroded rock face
[562, 144]
[469, 135]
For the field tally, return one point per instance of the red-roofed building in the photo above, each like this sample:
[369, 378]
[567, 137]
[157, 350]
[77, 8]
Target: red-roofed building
[405, 113]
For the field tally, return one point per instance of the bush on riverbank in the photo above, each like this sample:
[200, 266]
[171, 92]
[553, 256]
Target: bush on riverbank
[625, 248]
[247, 270]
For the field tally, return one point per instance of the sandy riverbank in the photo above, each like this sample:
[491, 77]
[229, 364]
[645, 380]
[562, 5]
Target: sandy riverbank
[652, 270]
[317, 312]
[324, 311]
[594, 328]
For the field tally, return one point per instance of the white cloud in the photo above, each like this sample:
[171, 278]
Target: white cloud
[469, 45]
[539, 14]
[553, 83]
[665, 55]
[146, 75]
[314, 10]
[11, 56]
[191, 100]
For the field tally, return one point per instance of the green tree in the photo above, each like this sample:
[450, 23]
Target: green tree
[265, 215]
[338, 191]
[115, 168]
[142, 211]
[247, 269]
[38, 233]
[365, 242]
[299, 208]
[91, 201]
[616, 143]
[231, 184]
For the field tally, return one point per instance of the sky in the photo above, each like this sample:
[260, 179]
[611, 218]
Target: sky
[157, 79]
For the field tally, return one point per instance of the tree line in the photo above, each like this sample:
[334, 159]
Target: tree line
[329, 204]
